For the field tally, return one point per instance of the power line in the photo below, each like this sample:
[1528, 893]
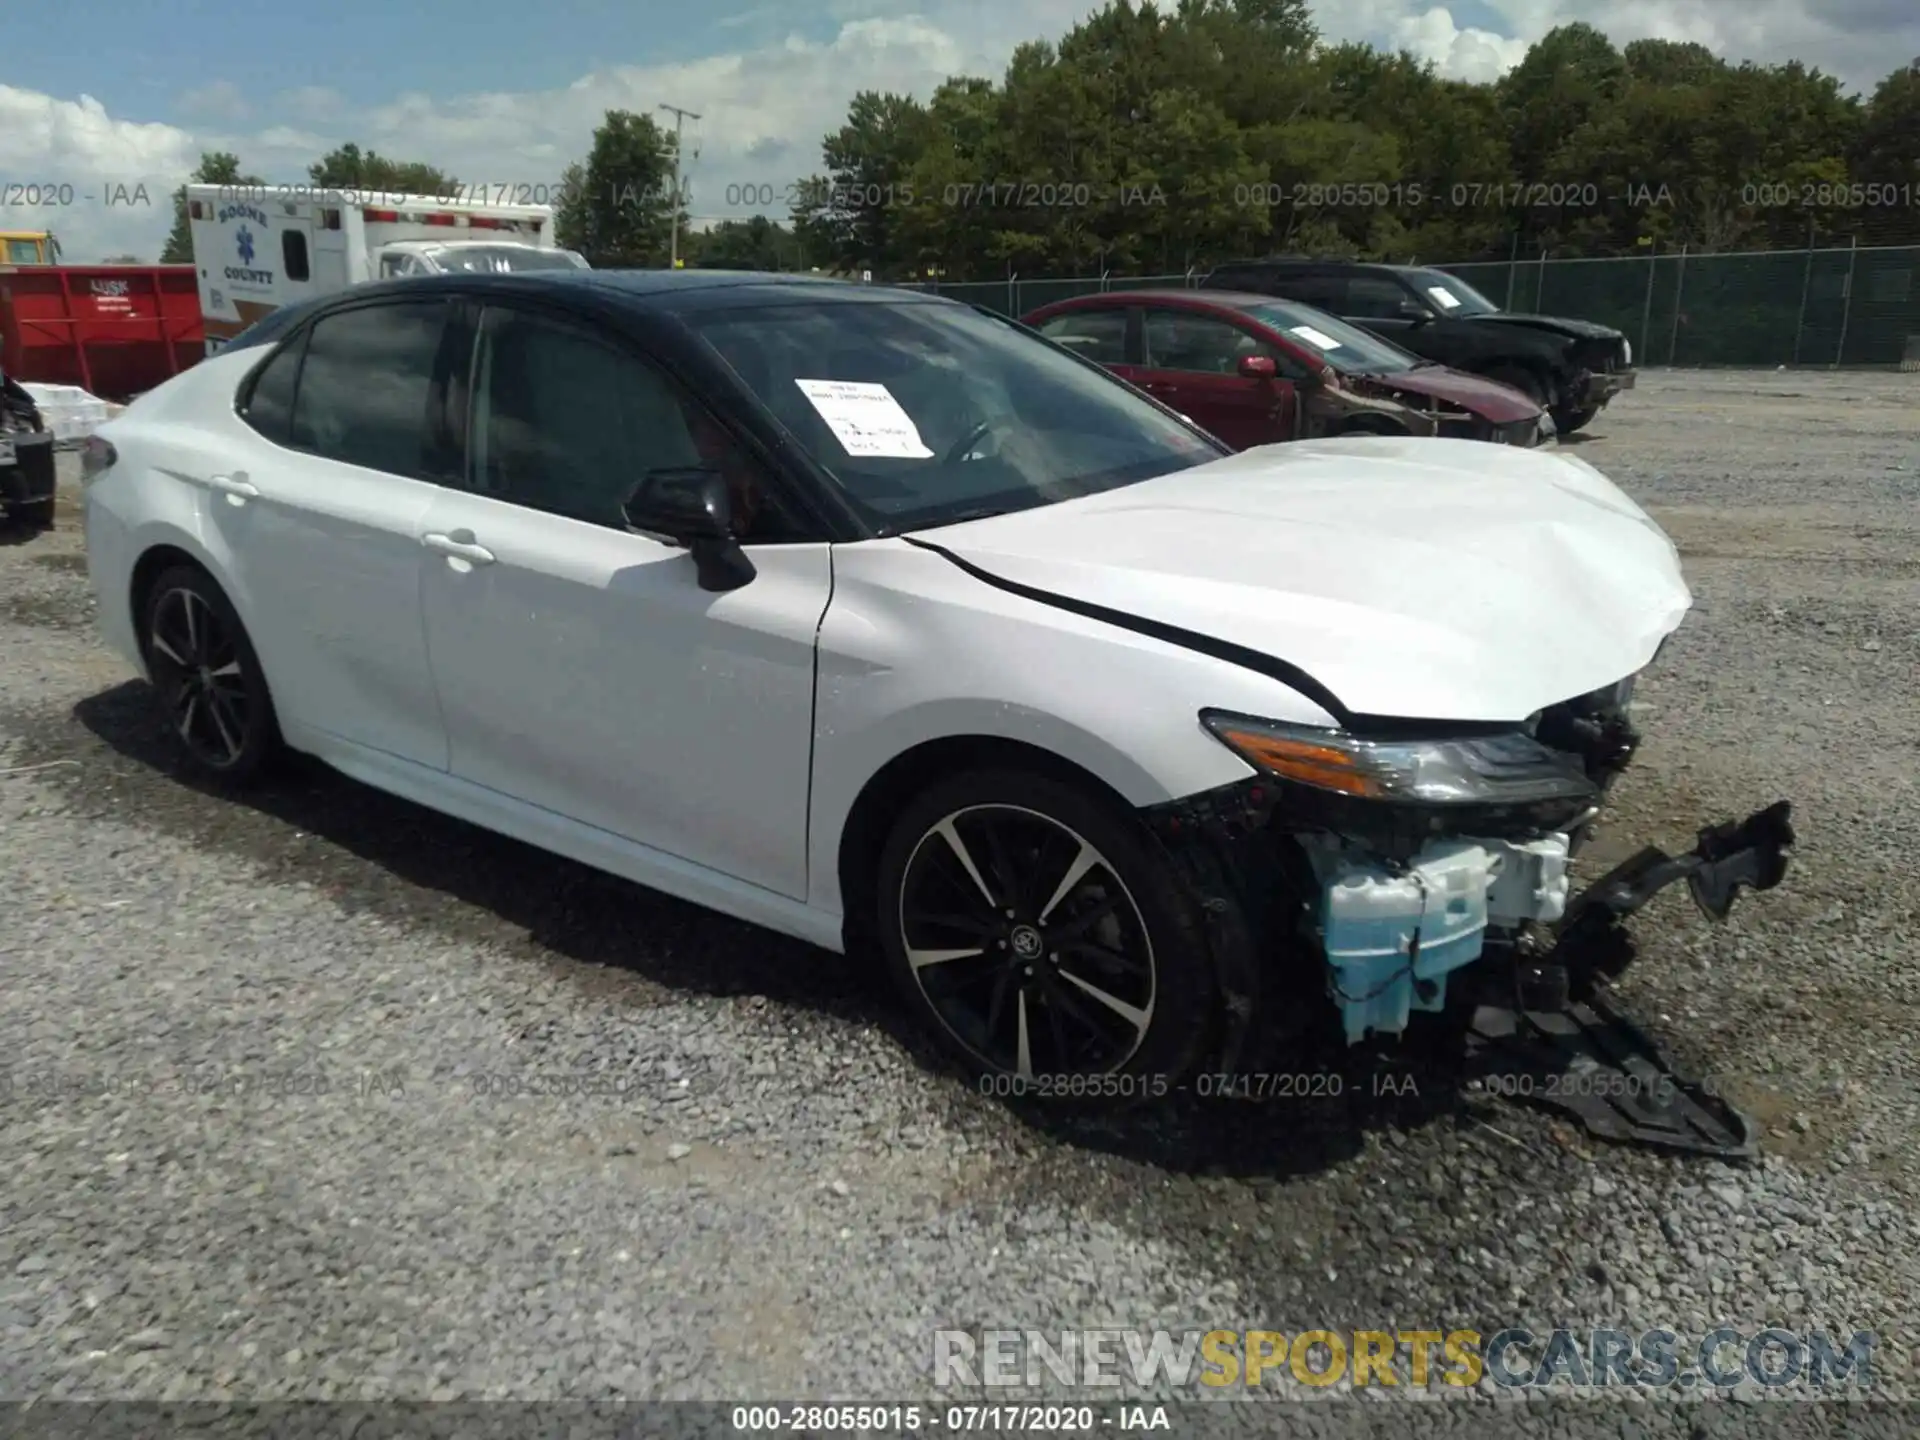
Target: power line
[679, 117]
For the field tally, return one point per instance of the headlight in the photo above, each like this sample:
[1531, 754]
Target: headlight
[1508, 768]
[1626, 351]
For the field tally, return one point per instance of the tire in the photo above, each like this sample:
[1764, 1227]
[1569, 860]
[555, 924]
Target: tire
[1118, 1013]
[1566, 420]
[213, 694]
[1527, 382]
[1371, 425]
[34, 514]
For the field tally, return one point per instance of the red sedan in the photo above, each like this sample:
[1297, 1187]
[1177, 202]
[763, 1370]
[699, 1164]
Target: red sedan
[1255, 370]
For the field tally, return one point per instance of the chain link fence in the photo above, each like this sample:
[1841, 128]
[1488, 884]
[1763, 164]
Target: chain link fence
[1857, 306]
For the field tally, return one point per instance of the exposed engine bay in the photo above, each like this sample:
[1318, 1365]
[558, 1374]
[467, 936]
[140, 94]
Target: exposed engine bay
[1466, 908]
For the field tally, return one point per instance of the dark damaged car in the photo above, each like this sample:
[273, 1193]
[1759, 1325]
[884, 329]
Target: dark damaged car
[1572, 367]
[1255, 370]
[26, 458]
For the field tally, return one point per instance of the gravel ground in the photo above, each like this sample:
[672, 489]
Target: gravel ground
[250, 1155]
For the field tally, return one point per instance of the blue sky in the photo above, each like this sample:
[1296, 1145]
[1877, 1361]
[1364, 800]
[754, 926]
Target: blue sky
[507, 92]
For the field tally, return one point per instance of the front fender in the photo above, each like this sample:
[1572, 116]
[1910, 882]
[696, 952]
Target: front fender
[913, 649]
[1329, 410]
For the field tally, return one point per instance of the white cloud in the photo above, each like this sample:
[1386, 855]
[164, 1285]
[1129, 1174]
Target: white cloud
[91, 167]
[1469, 54]
[764, 110]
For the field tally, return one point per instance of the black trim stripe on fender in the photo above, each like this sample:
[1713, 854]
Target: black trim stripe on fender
[1240, 655]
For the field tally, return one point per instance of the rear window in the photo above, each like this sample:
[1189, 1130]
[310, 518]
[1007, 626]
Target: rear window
[1099, 335]
[366, 387]
[268, 329]
[269, 403]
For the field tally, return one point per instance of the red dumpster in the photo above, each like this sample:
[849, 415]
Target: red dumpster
[114, 330]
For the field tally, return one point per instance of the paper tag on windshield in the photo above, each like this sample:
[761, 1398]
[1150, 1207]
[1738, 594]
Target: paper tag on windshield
[1448, 300]
[1315, 337]
[865, 418]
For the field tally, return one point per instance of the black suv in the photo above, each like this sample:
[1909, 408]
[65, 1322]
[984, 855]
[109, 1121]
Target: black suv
[1571, 367]
[26, 458]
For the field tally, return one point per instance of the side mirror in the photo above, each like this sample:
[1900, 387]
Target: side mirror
[1413, 310]
[690, 506]
[1258, 367]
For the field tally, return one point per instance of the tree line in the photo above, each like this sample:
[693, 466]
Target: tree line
[1151, 139]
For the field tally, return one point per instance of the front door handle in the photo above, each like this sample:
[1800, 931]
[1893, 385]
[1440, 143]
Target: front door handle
[458, 546]
[236, 487]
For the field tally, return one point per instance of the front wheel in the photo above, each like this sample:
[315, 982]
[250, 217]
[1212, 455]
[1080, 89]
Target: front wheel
[1039, 933]
[35, 514]
[1566, 420]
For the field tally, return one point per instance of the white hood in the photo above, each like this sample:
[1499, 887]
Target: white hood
[1421, 578]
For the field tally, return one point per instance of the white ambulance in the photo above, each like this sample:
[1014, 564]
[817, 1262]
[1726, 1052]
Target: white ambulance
[258, 247]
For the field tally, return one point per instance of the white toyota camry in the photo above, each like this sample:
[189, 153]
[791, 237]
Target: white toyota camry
[878, 620]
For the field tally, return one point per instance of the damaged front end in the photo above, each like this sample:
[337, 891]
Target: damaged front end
[27, 474]
[1334, 408]
[1430, 873]
[1451, 419]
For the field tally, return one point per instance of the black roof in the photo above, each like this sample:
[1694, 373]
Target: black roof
[677, 290]
[1313, 262]
[1226, 299]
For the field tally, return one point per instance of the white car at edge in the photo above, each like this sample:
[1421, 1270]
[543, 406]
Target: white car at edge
[870, 618]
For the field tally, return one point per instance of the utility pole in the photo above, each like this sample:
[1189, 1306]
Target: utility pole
[679, 116]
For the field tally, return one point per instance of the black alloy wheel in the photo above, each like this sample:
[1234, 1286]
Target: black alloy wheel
[208, 679]
[1044, 936]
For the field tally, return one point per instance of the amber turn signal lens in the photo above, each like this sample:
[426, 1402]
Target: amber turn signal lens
[1302, 760]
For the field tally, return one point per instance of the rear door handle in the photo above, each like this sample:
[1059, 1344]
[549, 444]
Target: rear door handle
[458, 546]
[237, 488]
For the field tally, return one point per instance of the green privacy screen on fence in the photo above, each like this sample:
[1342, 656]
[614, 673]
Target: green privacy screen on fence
[1781, 307]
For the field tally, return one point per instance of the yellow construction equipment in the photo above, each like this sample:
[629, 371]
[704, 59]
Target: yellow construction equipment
[28, 247]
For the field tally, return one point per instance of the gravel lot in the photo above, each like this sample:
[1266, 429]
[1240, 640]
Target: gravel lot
[783, 1199]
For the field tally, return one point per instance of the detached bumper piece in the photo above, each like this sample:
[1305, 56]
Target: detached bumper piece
[1590, 1061]
[1560, 1043]
[1602, 385]
[27, 475]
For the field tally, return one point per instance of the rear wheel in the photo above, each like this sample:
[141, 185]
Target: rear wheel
[212, 691]
[1039, 933]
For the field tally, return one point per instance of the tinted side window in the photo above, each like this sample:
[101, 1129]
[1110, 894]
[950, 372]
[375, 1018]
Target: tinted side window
[568, 423]
[1181, 340]
[1371, 298]
[1327, 292]
[367, 385]
[293, 254]
[1098, 335]
[269, 405]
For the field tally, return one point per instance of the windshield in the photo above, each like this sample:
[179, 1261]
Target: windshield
[1347, 348]
[1450, 294]
[929, 413]
[504, 257]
